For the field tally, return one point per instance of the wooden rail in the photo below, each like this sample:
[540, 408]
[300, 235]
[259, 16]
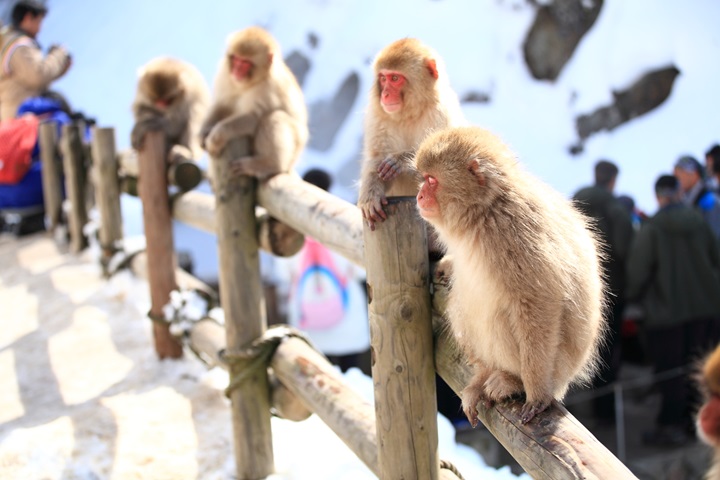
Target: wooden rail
[552, 446]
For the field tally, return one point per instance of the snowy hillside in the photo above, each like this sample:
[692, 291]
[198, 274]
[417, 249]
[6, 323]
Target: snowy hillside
[481, 42]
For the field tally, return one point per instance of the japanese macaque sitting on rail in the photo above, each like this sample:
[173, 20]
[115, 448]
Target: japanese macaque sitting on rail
[708, 419]
[527, 296]
[172, 96]
[256, 95]
[411, 98]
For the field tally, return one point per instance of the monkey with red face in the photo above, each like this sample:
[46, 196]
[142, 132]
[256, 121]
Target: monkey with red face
[708, 419]
[256, 95]
[411, 97]
[527, 292]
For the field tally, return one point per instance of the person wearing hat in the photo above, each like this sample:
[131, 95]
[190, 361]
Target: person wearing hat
[695, 192]
[24, 71]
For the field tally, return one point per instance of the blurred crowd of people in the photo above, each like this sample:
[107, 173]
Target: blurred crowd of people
[663, 273]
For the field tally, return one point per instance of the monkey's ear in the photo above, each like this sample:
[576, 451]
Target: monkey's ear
[431, 65]
[270, 58]
[473, 167]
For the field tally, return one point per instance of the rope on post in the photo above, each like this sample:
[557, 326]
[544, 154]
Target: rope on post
[258, 354]
[446, 465]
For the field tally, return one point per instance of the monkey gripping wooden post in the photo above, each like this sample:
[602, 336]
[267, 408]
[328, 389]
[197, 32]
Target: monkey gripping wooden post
[73, 160]
[51, 178]
[403, 369]
[241, 297]
[160, 248]
[107, 193]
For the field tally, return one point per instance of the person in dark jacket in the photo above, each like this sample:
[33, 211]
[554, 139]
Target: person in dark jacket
[614, 225]
[674, 271]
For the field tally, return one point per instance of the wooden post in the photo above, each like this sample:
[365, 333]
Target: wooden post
[107, 193]
[159, 238]
[241, 298]
[73, 160]
[396, 258]
[51, 177]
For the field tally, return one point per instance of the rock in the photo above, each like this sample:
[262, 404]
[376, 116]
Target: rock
[327, 116]
[556, 32]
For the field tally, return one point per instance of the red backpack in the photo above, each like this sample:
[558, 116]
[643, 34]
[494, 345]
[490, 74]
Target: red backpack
[17, 140]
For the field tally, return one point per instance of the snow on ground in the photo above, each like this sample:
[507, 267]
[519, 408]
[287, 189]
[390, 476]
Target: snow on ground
[83, 396]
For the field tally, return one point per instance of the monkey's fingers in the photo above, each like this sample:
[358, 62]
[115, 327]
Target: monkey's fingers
[531, 409]
[140, 129]
[470, 400]
[215, 143]
[388, 169]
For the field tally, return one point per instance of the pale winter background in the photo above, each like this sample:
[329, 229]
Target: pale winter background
[331, 45]
[333, 42]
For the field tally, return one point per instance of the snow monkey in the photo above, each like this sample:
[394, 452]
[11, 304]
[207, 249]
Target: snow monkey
[411, 97]
[527, 293]
[256, 94]
[708, 420]
[171, 96]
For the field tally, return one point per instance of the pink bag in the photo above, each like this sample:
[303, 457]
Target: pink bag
[321, 290]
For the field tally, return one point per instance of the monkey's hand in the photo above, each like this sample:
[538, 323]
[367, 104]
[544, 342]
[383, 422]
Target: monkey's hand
[141, 128]
[372, 209]
[395, 165]
[389, 169]
[216, 140]
[444, 270]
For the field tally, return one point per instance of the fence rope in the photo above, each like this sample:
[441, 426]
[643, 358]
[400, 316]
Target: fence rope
[248, 360]
[446, 465]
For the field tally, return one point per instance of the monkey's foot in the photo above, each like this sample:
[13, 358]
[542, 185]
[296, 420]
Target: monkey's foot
[502, 385]
[530, 409]
[471, 396]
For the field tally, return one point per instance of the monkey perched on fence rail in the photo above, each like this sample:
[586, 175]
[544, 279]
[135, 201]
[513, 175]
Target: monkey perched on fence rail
[171, 96]
[256, 95]
[411, 98]
[527, 292]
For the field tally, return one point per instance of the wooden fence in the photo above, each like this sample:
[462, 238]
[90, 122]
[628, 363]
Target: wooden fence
[275, 369]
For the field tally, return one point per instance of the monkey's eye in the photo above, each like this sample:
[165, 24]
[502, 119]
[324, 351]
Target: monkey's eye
[394, 78]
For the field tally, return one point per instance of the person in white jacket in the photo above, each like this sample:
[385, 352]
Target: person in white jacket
[24, 71]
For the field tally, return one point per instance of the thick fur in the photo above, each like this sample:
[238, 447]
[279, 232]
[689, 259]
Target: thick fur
[188, 97]
[527, 291]
[428, 105]
[268, 106]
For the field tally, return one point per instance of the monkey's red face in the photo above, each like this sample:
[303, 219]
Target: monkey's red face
[427, 198]
[708, 421]
[391, 84]
[240, 67]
